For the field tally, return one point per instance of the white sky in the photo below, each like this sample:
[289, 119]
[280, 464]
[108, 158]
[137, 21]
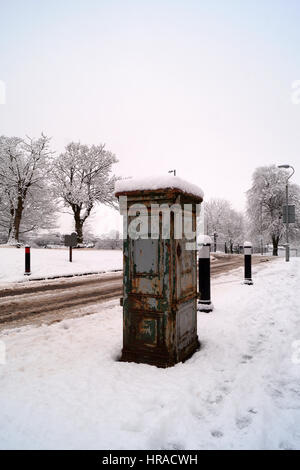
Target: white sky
[200, 86]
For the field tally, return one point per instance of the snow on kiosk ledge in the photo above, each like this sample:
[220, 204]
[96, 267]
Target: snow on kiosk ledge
[156, 183]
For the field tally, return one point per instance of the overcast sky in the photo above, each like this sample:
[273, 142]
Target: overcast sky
[201, 86]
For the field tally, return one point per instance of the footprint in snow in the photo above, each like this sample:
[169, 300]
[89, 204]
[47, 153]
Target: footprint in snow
[276, 393]
[225, 389]
[218, 434]
[175, 446]
[215, 399]
[243, 422]
[285, 446]
[246, 358]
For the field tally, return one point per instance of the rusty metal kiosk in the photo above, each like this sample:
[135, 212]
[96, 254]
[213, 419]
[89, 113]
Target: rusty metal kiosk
[159, 277]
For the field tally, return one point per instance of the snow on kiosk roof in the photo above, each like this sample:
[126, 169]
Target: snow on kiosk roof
[156, 183]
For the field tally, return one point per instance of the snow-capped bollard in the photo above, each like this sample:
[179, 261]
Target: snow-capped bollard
[27, 261]
[204, 302]
[248, 269]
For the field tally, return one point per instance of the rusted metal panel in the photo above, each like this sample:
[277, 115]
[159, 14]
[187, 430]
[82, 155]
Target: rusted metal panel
[160, 291]
[145, 256]
[144, 302]
[186, 323]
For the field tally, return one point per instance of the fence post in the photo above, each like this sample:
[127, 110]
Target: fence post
[204, 300]
[248, 263]
[27, 261]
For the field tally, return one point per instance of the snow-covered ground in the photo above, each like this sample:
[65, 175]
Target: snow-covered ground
[55, 262]
[62, 387]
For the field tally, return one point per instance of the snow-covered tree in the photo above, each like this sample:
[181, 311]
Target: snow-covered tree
[82, 179]
[265, 200]
[25, 197]
[3, 213]
[110, 241]
[222, 219]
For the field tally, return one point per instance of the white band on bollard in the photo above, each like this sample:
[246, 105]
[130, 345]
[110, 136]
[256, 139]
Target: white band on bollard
[204, 251]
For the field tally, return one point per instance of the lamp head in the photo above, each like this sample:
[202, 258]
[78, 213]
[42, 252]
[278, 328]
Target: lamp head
[283, 166]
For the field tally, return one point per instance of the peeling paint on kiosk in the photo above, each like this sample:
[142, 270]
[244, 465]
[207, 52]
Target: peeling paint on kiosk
[160, 280]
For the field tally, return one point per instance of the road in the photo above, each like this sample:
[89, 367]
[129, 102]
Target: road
[38, 302]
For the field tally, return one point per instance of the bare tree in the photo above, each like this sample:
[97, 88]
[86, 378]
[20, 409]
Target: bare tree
[24, 165]
[223, 220]
[110, 241]
[82, 180]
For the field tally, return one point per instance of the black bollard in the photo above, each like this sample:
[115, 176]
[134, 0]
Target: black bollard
[204, 302]
[248, 262]
[27, 261]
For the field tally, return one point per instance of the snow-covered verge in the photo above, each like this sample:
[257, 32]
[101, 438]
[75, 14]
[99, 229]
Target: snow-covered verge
[62, 387]
[48, 262]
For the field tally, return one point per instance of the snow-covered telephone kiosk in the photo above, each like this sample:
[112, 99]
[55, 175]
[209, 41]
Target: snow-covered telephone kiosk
[159, 270]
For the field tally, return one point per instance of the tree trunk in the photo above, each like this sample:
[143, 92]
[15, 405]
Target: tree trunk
[275, 241]
[14, 232]
[11, 220]
[78, 225]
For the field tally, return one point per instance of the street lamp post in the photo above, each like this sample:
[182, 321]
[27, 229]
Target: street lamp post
[287, 248]
[172, 171]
